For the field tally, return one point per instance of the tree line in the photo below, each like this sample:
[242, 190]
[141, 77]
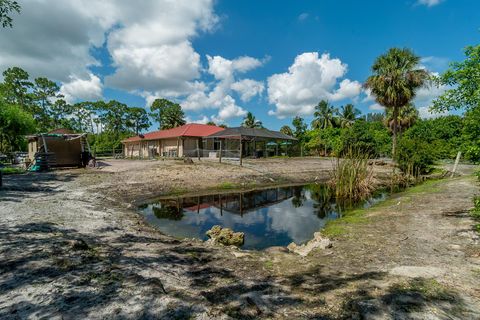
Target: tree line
[37, 105]
[399, 132]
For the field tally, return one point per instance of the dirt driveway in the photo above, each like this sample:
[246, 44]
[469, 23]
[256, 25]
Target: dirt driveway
[72, 246]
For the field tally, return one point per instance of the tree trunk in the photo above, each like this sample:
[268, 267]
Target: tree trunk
[395, 125]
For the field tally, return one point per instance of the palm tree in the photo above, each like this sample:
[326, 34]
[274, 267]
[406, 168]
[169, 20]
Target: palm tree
[406, 118]
[395, 80]
[250, 122]
[347, 115]
[286, 130]
[324, 116]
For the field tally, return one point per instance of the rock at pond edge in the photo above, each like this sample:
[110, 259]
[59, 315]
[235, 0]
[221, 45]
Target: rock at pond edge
[318, 242]
[226, 236]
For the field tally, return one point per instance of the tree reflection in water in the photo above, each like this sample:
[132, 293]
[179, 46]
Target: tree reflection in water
[298, 197]
[168, 212]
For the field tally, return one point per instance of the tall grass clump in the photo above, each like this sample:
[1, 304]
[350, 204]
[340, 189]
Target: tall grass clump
[475, 212]
[351, 178]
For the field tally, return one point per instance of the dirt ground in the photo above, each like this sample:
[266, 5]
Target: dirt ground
[73, 247]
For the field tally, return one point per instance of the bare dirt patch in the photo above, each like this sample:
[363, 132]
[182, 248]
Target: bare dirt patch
[70, 247]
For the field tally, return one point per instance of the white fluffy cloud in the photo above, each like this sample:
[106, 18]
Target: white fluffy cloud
[429, 3]
[218, 95]
[309, 79]
[248, 88]
[82, 89]
[376, 107]
[149, 41]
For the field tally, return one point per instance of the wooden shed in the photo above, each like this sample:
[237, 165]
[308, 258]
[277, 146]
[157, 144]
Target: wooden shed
[58, 148]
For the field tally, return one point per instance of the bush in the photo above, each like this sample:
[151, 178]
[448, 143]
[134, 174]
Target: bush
[471, 134]
[415, 156]
[368, 137]
[444, 133]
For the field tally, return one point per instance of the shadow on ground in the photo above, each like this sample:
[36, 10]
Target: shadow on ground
[18, 186]
[48, 271]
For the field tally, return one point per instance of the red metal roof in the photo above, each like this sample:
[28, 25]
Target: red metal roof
[188, 130]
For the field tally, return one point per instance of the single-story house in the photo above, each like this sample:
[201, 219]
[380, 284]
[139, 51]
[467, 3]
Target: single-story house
[184, 141]
[58, 148]
[241, 142]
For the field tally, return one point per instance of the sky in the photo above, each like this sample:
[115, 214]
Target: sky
[221, 59]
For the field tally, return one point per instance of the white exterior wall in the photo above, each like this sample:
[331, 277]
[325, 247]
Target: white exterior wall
[162, 147]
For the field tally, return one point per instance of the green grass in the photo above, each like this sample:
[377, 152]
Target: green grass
[12, 170]
[429, 289]
[226, 186]
[475, 212]
[339, 227]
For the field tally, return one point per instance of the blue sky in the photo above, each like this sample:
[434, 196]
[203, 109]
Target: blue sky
[220, 59]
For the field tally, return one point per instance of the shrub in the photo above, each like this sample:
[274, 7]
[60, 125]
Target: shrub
[368, 137]
[415, 156]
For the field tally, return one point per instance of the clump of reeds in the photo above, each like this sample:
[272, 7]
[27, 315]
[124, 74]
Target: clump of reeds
[351, 178]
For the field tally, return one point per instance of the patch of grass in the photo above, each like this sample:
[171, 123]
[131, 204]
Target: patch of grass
[475, 212]
[226, 186]
[338, 227]
[428, 186]
[429, 289]
[12, 170]
[102, 278]
[335, 228]
[268, 264]
[177, 191]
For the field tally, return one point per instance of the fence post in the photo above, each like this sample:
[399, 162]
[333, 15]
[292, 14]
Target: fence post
[241, 150]
[198, 150]
[1, 178]
[220, 154]
[457, 160]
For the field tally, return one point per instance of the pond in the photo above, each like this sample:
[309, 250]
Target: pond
[268, 217]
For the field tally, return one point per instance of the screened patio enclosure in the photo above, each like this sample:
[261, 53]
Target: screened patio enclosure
[243, 142]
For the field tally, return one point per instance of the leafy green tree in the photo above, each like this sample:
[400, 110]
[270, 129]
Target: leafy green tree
[348, 115]
[464, 80]
[471, 135]
[45, 92]
[113, 116]
[251, 122]
[324, 116]
[396, 78]
[15, 123]
[300, 128]
[286, 130]
[370, 138]
[407, 116]
[7, 7]
[167, 113]
[137, 119]
[211, 123]
[15, 87]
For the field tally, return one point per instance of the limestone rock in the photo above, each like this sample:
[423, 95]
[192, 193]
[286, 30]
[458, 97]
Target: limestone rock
[78, 244]
[318, 242]
[225, 236]
[187, 160]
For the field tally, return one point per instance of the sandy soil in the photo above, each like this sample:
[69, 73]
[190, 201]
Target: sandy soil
[72, 246]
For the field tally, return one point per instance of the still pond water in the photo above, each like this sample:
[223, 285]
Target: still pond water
[269, 217]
